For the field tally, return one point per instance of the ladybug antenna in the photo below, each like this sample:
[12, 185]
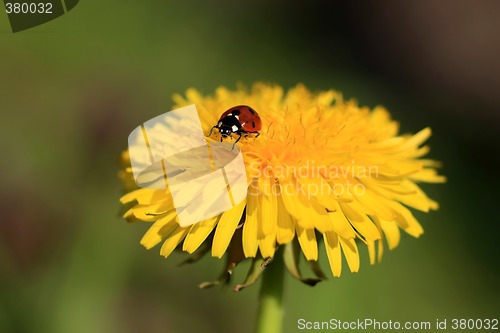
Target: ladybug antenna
[211, 130]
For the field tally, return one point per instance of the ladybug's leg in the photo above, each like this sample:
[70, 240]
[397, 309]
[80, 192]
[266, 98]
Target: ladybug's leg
[235, 142]
[238, 138]
[257, 134]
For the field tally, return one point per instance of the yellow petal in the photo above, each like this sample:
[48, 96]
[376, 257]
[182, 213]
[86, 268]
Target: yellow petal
[371, 251]
[376, 204]
[416, 153]
[198, 233]
[289, 197]
[418, 200]
[269, 212]
[428, 176]
[388, 188]
[319, 190]
[322, 222]
[391, 232]
[286, 224]
[398, 169]
[351, 253]
[380, 250]
[149, 213]
[226, 228]
[406, 220]
[129, 216]
[296, 204]
[250, 228]
[333, 252]
[173, 240]
[250, 241]
[313, 214]
[361, 222]
[387, 145]
[160, 229]
[417, 139]
[142, 196]
[307, 241]
[340, 224]
[132, 195]
[360, 207]
[267, 245]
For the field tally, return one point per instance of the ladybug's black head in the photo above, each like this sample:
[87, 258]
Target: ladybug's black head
[229, 125]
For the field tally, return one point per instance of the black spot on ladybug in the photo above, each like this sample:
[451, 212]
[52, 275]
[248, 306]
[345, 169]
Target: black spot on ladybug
[251, 111]
[236, 112]
[253, 124]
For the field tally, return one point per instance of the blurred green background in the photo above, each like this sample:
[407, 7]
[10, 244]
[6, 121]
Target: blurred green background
[71, 91]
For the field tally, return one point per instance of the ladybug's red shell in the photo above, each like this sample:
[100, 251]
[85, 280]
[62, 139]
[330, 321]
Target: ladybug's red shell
[239, 120]
[247, 117]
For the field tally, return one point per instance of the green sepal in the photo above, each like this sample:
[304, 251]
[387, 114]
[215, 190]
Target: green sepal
[254, 273]
[291, 257]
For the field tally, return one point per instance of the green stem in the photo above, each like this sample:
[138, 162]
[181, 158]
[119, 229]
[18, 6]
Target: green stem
[270, 313]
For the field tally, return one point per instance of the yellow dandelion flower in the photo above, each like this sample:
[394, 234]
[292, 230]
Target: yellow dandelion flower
[323, 169]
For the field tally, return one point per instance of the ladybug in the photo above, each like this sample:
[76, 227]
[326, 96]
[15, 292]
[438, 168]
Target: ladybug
[240, 119]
